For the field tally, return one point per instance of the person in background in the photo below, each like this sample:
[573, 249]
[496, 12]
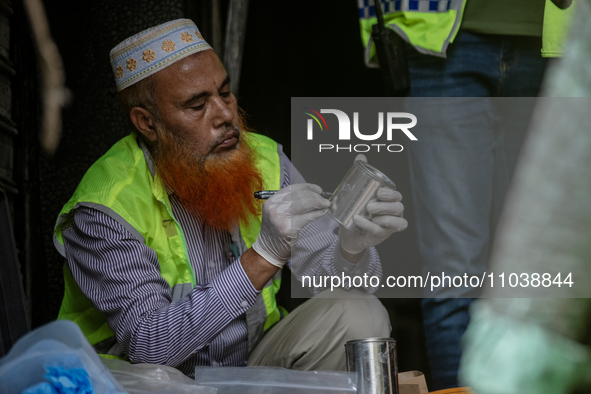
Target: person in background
[461, 166]
[535, 338]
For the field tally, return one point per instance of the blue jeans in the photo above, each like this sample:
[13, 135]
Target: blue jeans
[461, 167]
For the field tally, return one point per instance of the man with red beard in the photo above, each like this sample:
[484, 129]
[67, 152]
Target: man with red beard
[170, 259]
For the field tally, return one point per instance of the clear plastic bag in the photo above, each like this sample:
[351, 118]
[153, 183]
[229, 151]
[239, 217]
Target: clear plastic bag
[268, 380]
[149, 378]
[57, 344]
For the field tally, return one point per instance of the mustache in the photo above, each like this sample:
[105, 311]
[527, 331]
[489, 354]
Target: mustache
[229, 132]
[174, 140]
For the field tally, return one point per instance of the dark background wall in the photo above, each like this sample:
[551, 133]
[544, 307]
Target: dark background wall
[307, 48]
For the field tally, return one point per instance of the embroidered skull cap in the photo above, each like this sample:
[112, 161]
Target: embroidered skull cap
[154, 49]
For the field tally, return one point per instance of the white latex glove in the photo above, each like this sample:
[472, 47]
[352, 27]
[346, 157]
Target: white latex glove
[284, 215]
[387, 220]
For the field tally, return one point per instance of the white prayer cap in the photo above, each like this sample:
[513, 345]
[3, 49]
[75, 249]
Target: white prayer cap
[153, 49]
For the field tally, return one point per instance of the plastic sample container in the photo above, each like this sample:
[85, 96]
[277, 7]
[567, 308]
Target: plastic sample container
[355, 191]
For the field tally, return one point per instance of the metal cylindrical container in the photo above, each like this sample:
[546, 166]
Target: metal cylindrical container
[357, 188]
[374, 360]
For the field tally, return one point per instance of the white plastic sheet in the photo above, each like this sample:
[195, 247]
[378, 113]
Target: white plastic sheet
[267, 380]
[149, 378]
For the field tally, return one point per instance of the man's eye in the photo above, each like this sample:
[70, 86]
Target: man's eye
[198, 107]
[225, 94]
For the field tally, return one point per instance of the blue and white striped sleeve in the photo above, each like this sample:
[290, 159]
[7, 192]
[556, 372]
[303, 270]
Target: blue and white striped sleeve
[317, 252]
[121, 276]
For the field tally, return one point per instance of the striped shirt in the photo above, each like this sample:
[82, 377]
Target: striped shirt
[121, 276]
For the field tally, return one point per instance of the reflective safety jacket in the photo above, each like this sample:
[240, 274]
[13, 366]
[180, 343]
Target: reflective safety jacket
[431, 25]
[124, 185]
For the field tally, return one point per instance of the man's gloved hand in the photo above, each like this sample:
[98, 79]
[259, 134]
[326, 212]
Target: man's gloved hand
[284, 215]
[387, 220]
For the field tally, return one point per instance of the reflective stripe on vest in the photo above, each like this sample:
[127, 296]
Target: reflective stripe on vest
[428, 25]
[124, 185]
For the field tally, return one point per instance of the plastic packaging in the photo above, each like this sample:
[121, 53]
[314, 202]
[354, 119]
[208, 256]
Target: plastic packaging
[149, 378]
[357, 188]
[268, 380]
[57, 344]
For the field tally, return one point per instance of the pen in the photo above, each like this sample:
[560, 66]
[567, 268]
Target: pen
[265, 194]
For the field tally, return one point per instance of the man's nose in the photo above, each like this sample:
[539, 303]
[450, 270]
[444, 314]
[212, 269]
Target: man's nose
[223, 112]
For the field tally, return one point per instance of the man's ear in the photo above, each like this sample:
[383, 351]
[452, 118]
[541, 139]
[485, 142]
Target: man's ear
[144, 122]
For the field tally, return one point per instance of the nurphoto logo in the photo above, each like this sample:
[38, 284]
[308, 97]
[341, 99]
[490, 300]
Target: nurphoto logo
[392, 120]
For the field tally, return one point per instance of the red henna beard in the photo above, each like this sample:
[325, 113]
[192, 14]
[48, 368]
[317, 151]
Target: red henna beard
[218, 188]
